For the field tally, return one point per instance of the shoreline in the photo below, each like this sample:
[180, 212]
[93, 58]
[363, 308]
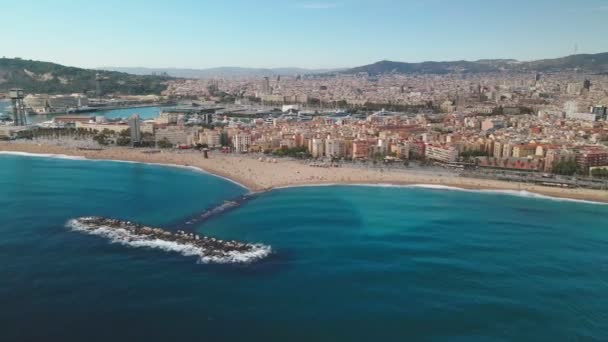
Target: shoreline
[256, 176]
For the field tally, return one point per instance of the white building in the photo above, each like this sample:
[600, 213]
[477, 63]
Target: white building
[582, 116]
[241, 142]
[211, 138]
[441, 153]
[317, 148]
[176, 135]
[335, 148]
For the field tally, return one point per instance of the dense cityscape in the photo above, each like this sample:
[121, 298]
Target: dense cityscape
[532, 122]
[304, 170]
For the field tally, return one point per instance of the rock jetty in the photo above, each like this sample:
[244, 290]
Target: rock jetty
[208, 249]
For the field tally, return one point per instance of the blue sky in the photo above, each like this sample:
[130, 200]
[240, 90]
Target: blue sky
[312, 34]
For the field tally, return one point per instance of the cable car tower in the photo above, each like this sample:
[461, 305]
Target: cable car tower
[17, 96]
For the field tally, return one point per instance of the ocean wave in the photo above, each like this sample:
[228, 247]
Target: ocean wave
[43, 155]
[125, 237]
[518, 193]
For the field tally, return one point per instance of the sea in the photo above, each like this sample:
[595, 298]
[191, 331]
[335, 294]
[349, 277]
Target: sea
[349, 263]
[145, 113]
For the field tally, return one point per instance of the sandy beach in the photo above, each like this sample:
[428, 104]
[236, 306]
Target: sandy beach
[262, 175]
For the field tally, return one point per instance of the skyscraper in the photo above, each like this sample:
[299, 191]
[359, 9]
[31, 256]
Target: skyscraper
[134, 125]
[266, 90]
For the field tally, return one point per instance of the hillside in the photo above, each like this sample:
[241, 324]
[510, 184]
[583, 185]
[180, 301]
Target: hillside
[51, 78]
[223, 72]
[594, 63]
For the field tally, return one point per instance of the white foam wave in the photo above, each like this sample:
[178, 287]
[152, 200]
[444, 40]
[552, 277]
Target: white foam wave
[124, 237]
[518, 193]
[43, 155]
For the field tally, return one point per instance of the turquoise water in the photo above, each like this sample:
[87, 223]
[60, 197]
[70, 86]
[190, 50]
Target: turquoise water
[350, 263]
[144, 113]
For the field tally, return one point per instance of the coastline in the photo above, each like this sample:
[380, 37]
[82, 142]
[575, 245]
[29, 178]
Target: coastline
[257, 176]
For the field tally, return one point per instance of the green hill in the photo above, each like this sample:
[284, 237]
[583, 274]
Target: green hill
[51, 78]
[593, 63]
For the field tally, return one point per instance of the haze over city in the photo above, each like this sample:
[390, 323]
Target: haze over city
[307, 34]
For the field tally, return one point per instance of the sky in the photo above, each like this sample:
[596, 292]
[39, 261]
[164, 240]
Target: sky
[293, 33]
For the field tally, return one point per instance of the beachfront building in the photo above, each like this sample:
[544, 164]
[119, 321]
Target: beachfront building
[135, 128]
[210, 137]
[589, 158]
[176, 135]
[555, 156]
[511, 163]
[241, 142]
[317, 148]
[522, 151]
[401, 150]
[444, 154]
[361, 149]
[335, 148]
[507, 150]
[417, 149]
[497, 151]
[116, 127]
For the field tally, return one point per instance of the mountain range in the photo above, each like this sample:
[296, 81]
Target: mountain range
[52, 78]
[220, 72]
[594, 63]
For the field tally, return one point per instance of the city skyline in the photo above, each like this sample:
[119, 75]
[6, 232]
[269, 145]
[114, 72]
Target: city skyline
[303, 34]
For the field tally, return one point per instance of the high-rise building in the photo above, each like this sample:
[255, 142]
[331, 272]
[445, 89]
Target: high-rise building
[571, 107]
[317, 148]
[574, 88]
[591, 158]
[587, 85]
[241, 142]
[135, 128]
[360, 149]
[600, 111]
[335, 148]
[266, 90]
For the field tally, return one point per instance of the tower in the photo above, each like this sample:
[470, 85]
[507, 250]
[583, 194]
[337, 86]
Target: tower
[587, 85]
[266, 90]
[98, 79]
[16, 96]
[135, 128]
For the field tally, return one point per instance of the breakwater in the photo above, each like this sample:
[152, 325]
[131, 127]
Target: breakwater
[206, 249]
[210, 213]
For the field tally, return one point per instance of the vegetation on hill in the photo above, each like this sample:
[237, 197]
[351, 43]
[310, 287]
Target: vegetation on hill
[51, 78]
[596, 63]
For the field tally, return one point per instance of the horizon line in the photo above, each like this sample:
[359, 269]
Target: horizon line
[305, 68]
